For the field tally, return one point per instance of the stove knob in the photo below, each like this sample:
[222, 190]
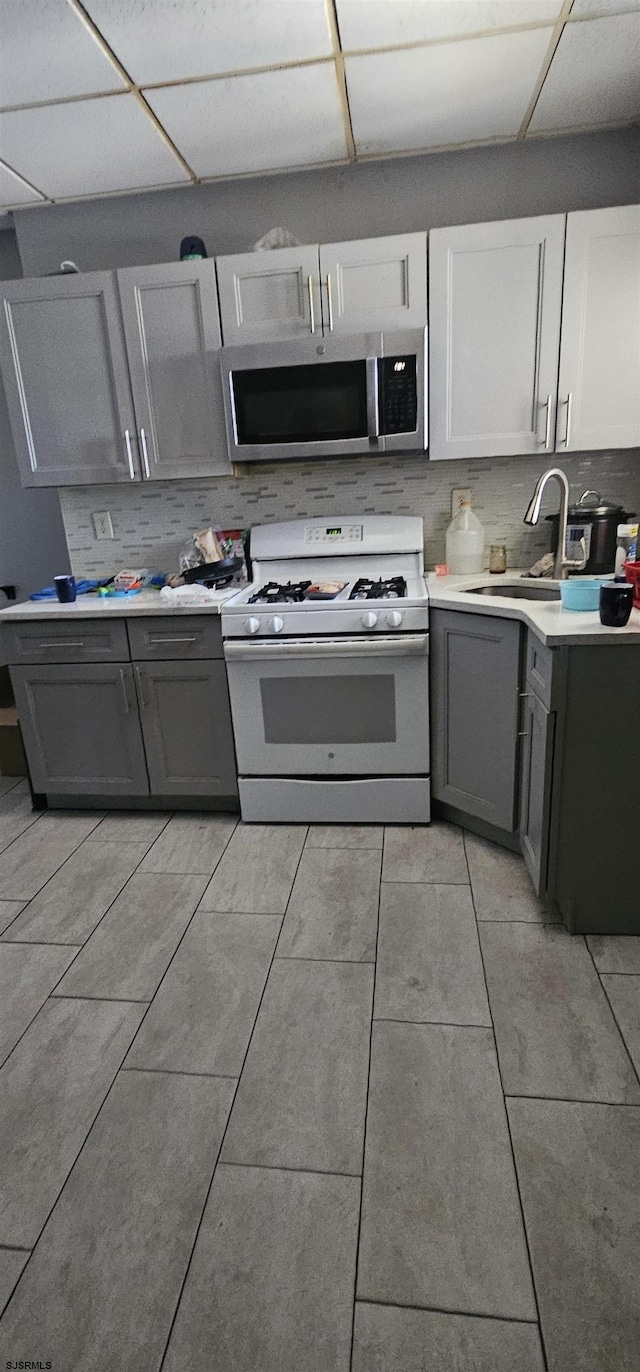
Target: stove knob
[369, 620]
[276, 624]
[394, 620]
[252, 625]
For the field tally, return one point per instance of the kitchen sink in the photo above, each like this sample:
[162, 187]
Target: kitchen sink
[521, 591]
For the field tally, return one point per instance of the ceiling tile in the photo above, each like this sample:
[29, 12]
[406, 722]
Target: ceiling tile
[47, 53]
[594, 77]
[86, 148]
[159, 40]
[453, 93]
[602, 7]
[383, 23]
[255, 123]
[13, 191]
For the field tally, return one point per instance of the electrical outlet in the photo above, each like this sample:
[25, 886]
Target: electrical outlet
[457, 496]
[102, 526]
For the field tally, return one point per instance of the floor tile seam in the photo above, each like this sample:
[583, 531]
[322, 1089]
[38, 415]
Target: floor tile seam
[226, 1125]
[28, 899]
[13, 1248]
[446, 1310]
[36, 943]
[208, 875]
[15, 782]
[533, 923]
[523, 1220]
[51, 995]
[634, 1069]
[179, 1072]
[114, 1000]
[288, 1167]
[575, 1100]
[140, 814]
[419, 881]
[435, 1023]
[601, 973]
[29, 825]
[59, 869]
[350, 962]
[366, 1117]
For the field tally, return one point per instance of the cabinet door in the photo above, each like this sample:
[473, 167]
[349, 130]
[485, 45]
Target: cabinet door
[172, 333]
[599, 390]
[67, 382]
[374, 283]
[186, 722]
[81, 729]
[269, 295]
[537, 765]
[475, 671]
[494, 336]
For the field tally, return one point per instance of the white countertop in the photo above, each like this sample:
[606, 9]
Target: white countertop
[553, 625]
[92, 606]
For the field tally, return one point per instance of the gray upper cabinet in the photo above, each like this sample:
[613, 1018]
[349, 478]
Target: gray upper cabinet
[374, 283]
[65, 372]
[265, 296]
[81, 729]
[475, 674]
[186, 723]
[495, 295]
[172, 333]
[599, 390]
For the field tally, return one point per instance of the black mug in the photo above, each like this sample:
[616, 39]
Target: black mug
[65, 588]
[616, 600]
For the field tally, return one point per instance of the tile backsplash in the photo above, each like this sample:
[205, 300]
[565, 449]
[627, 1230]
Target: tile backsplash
[151, 521]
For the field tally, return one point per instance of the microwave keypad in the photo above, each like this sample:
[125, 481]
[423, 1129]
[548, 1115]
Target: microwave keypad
[398, 395]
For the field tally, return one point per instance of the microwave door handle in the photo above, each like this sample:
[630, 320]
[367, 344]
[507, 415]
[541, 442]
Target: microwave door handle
[373, 416]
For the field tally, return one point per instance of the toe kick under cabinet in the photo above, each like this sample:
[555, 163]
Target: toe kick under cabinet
[136, 707]
[538, 748]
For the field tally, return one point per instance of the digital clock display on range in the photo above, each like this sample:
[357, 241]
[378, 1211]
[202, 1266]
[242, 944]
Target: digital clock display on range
[333, 533]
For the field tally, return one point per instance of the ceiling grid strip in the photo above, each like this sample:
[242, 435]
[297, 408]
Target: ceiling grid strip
[341, 77]
[546, 66]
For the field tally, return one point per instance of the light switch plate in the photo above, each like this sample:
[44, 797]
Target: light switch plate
[102, 525]
[457, 496]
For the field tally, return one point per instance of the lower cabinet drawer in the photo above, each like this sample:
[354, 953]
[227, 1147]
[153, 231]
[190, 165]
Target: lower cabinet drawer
[178, 637]
[64, 640]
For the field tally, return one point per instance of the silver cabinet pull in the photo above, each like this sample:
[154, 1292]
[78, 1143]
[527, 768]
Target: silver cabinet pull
[140, 680]
[312, 311]
[145, 455]
[125, 693]
[567, 431]
[547, 428]
[188, 638]
[524, 734]
[373, 421]
[330, 302]
[132, 470]
[61, 643]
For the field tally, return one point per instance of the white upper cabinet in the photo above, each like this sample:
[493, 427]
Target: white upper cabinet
[266, 296]
[599, 390]
[374, 283]
[345, 288]
[495, 294]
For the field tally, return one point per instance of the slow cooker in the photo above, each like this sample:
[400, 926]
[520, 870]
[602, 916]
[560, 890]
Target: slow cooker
[596, 520]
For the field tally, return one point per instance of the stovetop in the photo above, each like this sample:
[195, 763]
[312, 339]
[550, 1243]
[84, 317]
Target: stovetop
[389, 588]
[299, 592]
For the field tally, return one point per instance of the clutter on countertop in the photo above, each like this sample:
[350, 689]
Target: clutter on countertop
[189, 595]
[276, 238]
[82, 588]
[616, 603]
[464, 541]
[543, 567]
[581, 593]
[212, 556]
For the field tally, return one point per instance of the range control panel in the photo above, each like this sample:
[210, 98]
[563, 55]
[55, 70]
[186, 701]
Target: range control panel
[333, 533]
[398, 395]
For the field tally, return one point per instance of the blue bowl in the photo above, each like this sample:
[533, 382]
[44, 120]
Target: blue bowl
[581, 593]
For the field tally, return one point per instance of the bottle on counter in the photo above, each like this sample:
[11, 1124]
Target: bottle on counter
[465, 541]
[626, 546]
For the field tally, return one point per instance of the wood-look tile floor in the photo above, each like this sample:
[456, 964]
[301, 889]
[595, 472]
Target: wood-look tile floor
[307, 1099]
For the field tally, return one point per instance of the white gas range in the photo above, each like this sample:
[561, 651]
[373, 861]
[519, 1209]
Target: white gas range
[327, 657]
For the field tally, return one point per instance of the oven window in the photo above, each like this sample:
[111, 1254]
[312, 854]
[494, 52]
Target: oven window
[329, 709]
[321, 401]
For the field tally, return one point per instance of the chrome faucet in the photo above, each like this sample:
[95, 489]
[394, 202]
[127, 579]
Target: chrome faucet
[563, 564]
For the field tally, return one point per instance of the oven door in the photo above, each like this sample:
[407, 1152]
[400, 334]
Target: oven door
[331, 707]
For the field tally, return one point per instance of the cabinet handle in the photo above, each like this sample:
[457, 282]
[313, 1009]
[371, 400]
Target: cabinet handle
[330, 302]
[62, 643]
[567, 431]
[524, 695]
[312, 311]
[140, 679]
[189, 638]
[145, 455]
[524, 733]
[123, 683]
[127, 439]
[547, 427]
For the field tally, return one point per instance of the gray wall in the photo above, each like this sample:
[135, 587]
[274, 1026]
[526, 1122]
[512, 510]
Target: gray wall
[33, 547]
[542, 176]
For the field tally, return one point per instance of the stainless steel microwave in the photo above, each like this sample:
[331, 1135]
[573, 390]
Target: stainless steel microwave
[337, 397]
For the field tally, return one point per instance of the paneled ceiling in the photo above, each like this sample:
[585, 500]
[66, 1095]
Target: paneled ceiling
[107, 96]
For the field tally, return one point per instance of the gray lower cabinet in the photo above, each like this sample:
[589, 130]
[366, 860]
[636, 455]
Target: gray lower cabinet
[475, 676]
[186, 725]
[537, 771]
[81, 728]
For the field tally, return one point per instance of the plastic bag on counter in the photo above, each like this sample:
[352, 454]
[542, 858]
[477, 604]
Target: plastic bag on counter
[277, 238]
[189, 595]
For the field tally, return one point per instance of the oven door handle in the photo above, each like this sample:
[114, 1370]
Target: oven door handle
[400, 645]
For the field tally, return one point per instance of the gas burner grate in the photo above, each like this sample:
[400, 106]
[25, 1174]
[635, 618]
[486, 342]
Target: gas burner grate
[391, 588]
[275, 594]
